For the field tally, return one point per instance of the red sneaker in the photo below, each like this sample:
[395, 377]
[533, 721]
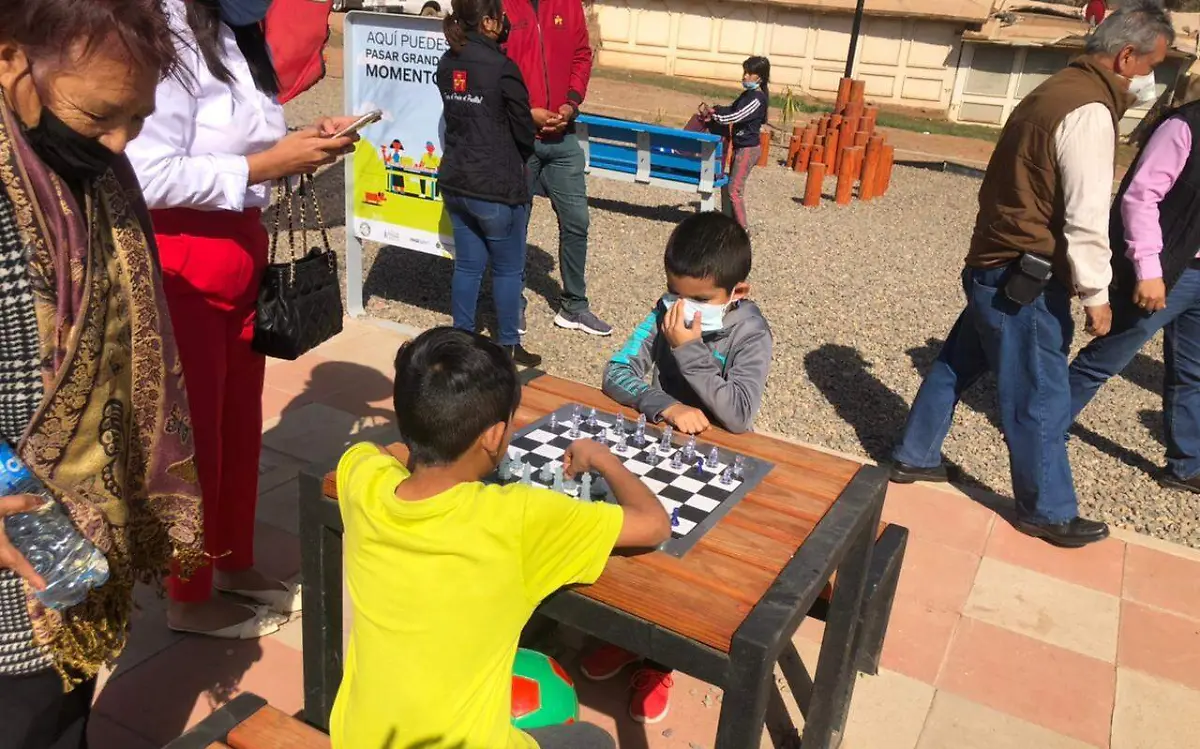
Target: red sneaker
[606, 662]
[651, 695]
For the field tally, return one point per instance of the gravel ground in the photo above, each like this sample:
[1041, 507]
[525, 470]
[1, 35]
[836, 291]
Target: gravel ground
[859, 299]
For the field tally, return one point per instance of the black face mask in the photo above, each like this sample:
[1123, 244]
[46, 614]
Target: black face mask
[505, 30]
[71, 155]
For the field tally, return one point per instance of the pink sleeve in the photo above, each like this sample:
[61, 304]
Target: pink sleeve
[1161, 163]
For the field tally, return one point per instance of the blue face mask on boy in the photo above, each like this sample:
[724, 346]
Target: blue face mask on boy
[749, 85]
[243, 12]
[712, 316]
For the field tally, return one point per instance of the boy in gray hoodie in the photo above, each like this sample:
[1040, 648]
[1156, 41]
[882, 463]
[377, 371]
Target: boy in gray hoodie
[705, 345]
[708, 351]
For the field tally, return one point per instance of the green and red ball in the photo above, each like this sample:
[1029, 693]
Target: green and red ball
[543, 694]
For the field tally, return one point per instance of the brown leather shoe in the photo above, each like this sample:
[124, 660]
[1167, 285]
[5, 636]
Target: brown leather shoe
[1172, 481]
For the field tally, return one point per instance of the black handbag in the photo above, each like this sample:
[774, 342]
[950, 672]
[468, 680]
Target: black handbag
[299, 301]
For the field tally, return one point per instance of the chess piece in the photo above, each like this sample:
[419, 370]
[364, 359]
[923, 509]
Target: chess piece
[570, 486]
[675, 518]
[553, 420]
[739, 466]
[575, 412]
[689, 449]
[677, 460]
[714, 458]
[600, 487]
[527, 473]
[699, 467]
[639, 437]
[592, 421]
[600, 437]
[585, 486]
[622, 442]
[558, 479]
[664, 444]
[576, 422]
[727, 476]
[546, 475]
[503, 470]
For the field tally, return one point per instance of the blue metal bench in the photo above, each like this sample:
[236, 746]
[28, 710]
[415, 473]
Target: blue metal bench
[653, 155]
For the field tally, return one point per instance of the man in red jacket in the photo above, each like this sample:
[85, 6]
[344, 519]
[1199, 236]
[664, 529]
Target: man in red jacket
[549, 42]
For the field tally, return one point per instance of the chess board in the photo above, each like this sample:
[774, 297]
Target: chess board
[695, 499]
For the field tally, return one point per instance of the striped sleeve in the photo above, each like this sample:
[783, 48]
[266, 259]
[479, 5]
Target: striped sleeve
[733, 115]
[626, 373]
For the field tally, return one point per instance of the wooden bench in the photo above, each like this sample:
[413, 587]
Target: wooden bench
[652, 155]
[248, 722]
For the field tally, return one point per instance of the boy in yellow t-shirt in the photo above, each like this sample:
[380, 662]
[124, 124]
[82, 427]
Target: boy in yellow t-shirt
[444, 571]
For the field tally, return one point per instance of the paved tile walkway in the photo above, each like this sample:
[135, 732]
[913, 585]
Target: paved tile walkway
[996, 642]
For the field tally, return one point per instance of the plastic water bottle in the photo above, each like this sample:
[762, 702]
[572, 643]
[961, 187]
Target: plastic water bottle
[68, 562]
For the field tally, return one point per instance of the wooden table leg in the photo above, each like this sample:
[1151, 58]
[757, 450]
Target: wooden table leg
[837, 665]
[843, 542]
[321, 571]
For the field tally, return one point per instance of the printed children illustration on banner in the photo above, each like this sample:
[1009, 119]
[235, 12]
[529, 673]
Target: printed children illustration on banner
[394, 195]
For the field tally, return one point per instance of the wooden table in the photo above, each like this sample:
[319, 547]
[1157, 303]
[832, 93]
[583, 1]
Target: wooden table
[725, 612]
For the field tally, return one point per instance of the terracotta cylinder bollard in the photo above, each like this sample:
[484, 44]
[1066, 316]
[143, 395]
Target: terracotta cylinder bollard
[764, 142]
[870, 169]
[810, 134]
[816, 181]
[870, 115]
[822, 126]
[800, 164]
[793, 149]
[843, 94]
[887, 161]
[817, 155]
[858, 91]
[831, 152]
[835, 122]
[854, 110]
[845, 183]
[855, 154]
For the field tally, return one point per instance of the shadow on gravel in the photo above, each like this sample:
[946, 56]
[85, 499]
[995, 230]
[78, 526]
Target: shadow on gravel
[876, 413]
[1153, 421]
[669, 214]
[423, 280]
[1146, 372]
[981, 397]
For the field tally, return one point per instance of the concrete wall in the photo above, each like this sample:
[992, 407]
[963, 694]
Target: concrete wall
[904, 61]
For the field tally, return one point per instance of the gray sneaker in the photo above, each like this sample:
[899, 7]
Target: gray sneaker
[585, 320]
[522, 325]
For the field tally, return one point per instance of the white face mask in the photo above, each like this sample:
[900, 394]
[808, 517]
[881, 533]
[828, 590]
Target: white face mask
[712, 316]
[1144, 88]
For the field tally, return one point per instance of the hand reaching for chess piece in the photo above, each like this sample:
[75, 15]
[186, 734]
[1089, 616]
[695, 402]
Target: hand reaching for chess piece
[645, 522]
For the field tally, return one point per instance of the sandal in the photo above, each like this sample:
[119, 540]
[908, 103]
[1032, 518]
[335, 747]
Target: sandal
[286, 602]
[262, 623]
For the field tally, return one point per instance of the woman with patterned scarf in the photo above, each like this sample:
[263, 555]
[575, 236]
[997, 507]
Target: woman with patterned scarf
[91, 390]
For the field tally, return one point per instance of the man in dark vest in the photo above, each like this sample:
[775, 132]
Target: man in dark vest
[1041, 238]
[1156, 286]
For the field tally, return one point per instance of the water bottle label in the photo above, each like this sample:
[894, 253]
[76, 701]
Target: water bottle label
[13, 472]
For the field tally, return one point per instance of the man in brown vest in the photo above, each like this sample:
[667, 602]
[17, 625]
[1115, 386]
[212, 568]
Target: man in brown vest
[1041, 238]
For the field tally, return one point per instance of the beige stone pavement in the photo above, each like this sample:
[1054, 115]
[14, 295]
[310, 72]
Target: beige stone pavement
[996, 641]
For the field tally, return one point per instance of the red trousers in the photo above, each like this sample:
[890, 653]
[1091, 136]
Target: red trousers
[212, 265]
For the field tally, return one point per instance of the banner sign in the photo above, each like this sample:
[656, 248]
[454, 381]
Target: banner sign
[392, 193]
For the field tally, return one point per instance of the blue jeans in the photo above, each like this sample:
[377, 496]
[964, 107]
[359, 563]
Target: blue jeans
[558, 166]
[1132, 328]
[1026, 347]
[485, 231]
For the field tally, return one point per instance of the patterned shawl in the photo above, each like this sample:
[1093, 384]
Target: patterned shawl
[113, 436]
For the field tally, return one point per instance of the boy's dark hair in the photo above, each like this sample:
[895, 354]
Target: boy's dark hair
[709, 245]
[451, 385]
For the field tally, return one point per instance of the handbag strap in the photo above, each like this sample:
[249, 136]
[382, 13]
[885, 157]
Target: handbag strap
[286, 200]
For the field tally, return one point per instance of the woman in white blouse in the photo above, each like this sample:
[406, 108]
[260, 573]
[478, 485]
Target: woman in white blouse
[206, 161]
